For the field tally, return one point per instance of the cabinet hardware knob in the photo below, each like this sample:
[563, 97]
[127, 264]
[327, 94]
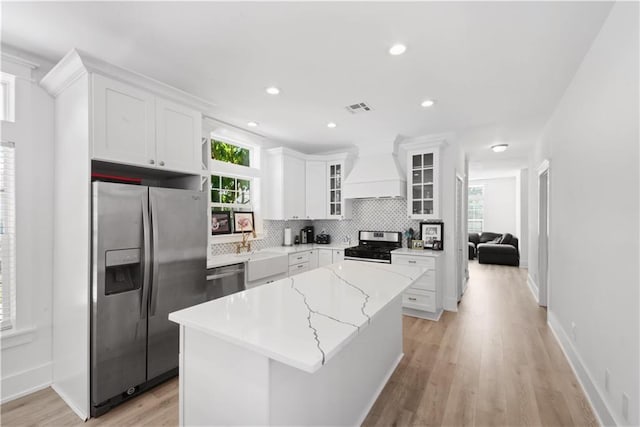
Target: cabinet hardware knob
[412, 299]
[161, 163]
[151, 161]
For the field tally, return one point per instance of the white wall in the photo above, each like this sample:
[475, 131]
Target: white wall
[26, 349]
[499, 204]
[592, 143]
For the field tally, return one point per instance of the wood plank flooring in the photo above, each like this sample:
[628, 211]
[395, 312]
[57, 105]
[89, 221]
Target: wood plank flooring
[494, 363]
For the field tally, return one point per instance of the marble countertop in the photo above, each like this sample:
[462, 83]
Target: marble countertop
[418, 252]
[228, 259]
[304, 320]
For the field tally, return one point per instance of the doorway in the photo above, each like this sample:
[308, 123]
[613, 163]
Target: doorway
[543, 234]
[460, 239]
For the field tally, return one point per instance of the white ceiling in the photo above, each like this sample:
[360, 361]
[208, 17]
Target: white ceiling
[496, 69]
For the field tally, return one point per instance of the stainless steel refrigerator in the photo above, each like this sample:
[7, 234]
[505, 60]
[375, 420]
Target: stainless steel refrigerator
[149, 259]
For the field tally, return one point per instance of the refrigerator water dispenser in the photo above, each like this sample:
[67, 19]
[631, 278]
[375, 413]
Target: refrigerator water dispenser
[122, 271]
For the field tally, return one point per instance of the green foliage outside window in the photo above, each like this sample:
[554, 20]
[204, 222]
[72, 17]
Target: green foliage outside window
[229, 153]
[225, 189]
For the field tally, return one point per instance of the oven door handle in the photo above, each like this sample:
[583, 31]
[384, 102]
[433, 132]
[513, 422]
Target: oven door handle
[381, 261]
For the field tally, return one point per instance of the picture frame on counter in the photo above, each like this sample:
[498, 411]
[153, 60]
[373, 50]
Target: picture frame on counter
[220, 222]
[243, 222]
[417, 244]
[432, 234]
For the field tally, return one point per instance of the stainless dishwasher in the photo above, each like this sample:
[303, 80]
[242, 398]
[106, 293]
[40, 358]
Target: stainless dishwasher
[223, 281]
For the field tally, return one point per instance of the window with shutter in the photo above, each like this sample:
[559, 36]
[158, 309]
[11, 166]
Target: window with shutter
[7, 235]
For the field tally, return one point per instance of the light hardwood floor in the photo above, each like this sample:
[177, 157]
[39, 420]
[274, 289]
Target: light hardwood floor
[494, 363]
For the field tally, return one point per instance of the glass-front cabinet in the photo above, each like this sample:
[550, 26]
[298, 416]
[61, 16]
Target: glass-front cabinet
[423, 183]
[335, 189]
[337, 206]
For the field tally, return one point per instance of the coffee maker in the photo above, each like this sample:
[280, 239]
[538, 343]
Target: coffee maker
[306, 235]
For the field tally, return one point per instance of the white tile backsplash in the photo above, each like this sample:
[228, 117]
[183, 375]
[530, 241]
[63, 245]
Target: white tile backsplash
[367, 214]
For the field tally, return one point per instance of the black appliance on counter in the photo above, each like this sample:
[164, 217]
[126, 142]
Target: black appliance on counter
[374, 246]
[306, 234]
[323, 239]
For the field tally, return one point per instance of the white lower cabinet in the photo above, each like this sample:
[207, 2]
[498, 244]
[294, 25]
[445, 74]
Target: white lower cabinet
[325, 257]
[299, 262]
[424, 298]
[329, 256]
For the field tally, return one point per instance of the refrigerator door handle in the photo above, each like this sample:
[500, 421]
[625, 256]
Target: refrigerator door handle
[155, 266]
[146, 263]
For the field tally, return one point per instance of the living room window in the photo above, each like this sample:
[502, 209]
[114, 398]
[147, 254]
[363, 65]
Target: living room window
[476, 209]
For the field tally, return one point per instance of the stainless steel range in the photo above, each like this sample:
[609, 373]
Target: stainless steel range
[374, 246]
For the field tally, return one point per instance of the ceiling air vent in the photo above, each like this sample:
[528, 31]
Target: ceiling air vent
[360, 107]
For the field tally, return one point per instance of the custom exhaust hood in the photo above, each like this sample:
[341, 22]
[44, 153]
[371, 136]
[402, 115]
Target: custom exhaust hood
[375, 176]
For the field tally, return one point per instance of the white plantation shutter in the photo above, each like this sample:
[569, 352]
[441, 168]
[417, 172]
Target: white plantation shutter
[7, 235]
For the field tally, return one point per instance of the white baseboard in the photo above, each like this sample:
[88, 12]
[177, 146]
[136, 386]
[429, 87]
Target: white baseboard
[533, 287]
[524, 264]
[69, 403]
[26, 382]
[379, 390]
[604, 414]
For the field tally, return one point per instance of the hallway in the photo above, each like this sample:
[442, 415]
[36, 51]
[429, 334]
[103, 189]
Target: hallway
[495, 362]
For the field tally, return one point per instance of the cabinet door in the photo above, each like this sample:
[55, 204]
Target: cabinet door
[338, 255]
[294, 188]
[423, 184]
[313, 259]
[178, 132]
[316, 190]
[325, 257]
[123, 123]
[335, 175]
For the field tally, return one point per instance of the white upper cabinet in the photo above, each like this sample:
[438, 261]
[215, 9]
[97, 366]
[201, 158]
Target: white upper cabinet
[178, 133]
[132, 126]
[316, 191]
[423, 182]
[285, 185]
[123, 123]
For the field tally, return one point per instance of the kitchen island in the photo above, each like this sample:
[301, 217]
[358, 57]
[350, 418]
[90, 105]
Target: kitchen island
[315, 348]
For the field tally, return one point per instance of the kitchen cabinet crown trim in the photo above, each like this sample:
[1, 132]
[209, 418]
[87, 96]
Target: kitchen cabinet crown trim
[76, 63]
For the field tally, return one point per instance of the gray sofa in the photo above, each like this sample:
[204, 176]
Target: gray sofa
[494, 248]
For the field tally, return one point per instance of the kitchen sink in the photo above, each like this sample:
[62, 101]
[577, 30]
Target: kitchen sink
[266, 264]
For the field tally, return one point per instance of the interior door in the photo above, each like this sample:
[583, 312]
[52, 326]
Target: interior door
[179, 240]
[118, 309]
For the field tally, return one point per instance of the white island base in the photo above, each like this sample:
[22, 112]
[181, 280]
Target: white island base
[224, 384]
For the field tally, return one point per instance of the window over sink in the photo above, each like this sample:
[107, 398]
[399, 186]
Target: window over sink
[234, 180]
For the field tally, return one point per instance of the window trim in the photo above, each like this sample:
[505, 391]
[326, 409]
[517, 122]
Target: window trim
[252, 173]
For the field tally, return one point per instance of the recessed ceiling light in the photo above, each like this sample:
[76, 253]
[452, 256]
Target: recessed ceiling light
[397, 49]
[273, 90]
[499, 148]
[428, 103]
[252, 124]
[331, 125]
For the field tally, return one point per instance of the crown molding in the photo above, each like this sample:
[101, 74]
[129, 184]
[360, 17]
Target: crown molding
[439, 140]
[19, 60]
[76, 63]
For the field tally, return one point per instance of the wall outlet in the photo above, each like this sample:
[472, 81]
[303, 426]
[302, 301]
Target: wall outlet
[625, 407]
[606, 380]
[573, 331]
